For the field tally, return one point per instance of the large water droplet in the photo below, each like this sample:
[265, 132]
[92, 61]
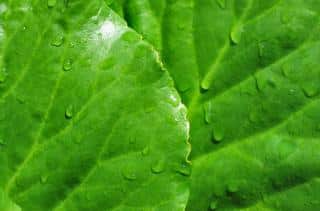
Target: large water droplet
[221, 3]
[236, 34]
[184, 169]
[158, 167]
[129, 174]
[58, 41]
[67, 65]
[69, 112]
[51, 3]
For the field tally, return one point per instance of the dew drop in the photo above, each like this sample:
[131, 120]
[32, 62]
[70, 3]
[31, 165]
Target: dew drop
[58, 41]
[2, 142]
[221, 3]
[254, 117]
[43, 179]
[310, 90]
[67, 65]
[51, 3]
[129, 175]
[145, 151]
[184, 169]
[284, 18]
[286, 70]
[213, 205]
[158, 167]
[233, 187]
[69, 112]
[3, 75]
[236, 35]
[208, 112]
[217, 134]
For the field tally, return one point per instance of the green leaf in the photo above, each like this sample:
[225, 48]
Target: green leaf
[86, 112]
[255, 117]
[6, 204]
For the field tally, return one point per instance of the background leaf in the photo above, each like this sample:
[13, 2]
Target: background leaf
[255, 114]
[89, 120]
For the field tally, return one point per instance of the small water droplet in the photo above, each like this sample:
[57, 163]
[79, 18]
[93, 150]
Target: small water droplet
[67, 65]
[2, 142]
[184, 169]
[129, 174]
[43, 179]
[221, 3]
[284, 18]
[158, 167]
[69, 112]
[254, 117]
[51, 3]
[145, 151]
[233, 187]
[213, 205]
[217, 134]
[24, 28]
[286, 70]
[236, 34]
[3, 75]
[58, 41]
[208, 112]
[261, 48]
[310, 89]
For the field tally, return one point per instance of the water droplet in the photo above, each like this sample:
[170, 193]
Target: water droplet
[51, 3]
[129, 175]
[69, 112]
[208, 112]
[254, 116]
[3, 75]
[213, 205]
[236, 34]
[58, 41]
[310, 89]
[158, 167]
[261, 47]
[2, 142]
[184, 169]
[217, 134]
[233, 187]
[145, 151]
[205, 85]
[284, 18]
[286, 70]
[67, 65]
[43, 179]
[221, 3]
[174, 100]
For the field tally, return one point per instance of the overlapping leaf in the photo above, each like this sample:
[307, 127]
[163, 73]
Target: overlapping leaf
[89, 120]
[254, 97]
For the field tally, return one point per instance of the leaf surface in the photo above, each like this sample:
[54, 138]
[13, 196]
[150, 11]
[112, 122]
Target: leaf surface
[89, 120]
[255, 110]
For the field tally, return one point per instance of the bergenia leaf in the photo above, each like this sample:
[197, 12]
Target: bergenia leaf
[255, 117]
[89, 119]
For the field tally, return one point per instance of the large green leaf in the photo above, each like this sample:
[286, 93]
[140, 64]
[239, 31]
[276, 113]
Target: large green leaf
[255, 121]
[89, 120]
